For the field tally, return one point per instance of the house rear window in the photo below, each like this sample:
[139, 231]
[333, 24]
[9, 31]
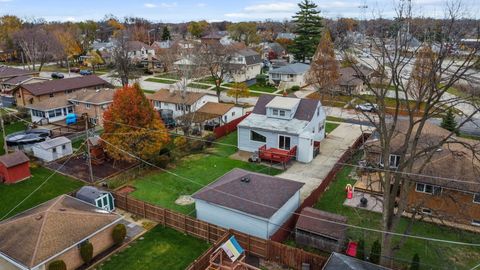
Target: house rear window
[476, 198]
[257, 137]
[429, 189]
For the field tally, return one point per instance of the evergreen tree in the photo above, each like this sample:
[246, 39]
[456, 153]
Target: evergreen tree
[448, 121]
[375, 252]
[166, 34]
[415, 262]
[308, 29]
[361, 250]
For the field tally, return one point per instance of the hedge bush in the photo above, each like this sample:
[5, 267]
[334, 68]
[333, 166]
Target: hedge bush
[57, 265]
[295, 88]
[86, 251]
[119, 233]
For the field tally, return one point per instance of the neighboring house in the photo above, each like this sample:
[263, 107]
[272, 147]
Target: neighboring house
[289, 36]
[179, 103]
[245, 65]
[53, 149]
[8, 85]
[211, 38]
[252, 203]
[100, 198]
[162, 45]
[8, 73]
[92, 103]
[139, 50]
[50, 110]
[28, 94]
[313, 230]
[54, 231]
[14, 167]
[338, 261]
[432, 194]
[273, 50]
[214, 114]
[289, 75]
[283, 123]
[350, 81]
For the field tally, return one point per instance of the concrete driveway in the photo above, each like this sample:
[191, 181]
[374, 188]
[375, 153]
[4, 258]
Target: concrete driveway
[331, 149]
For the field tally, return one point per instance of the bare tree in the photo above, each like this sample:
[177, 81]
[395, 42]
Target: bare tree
[38, 45]
[125, 68]
[416, 101]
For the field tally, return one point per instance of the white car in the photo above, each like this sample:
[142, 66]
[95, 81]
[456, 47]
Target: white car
[367, 107]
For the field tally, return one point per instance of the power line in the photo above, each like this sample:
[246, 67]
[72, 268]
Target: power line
[274, 208]
[43, 183]
[339, 163]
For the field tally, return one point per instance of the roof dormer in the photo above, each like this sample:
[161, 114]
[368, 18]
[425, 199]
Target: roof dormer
[282, 107]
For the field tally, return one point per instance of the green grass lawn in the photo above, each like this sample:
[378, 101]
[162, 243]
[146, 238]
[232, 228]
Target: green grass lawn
[155, 80]
[171, 75]
[261, 88]
[335, 119]
[209, 80]
[11, 195]
[199, 86]
[161, 248]
[11, 128]
[329, 127]
[163, 189]
[433, 255]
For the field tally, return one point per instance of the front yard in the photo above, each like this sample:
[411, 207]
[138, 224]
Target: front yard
[164, 189]
[11, 195]
[155, 80]
[433, 255]
[161, 248]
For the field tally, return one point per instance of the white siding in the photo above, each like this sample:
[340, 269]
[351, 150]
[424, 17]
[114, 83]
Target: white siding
[232, 114]
[284, 213]
[245, 144]
[193, 108]
[48, 154]
[231, 219]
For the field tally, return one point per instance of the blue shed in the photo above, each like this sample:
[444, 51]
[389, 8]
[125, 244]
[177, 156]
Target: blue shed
[99, 198]
[252, 203]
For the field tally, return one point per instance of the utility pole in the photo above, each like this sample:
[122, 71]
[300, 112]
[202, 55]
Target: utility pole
[5, 147]
[89, 157]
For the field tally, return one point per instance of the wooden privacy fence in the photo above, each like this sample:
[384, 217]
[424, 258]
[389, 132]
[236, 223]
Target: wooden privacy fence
[289, 225]
[229, 127]
[265, 249]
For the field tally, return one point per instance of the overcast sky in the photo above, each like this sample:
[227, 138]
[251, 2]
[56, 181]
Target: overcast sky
[213, 10]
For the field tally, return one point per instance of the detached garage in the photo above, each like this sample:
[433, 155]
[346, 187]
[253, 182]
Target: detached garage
[14, 167]
[252, 203]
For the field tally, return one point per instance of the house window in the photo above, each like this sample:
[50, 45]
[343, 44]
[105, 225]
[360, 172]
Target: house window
[282, 113]
[429, 189]
[70, 109]
[318, 112]
[68, 91]
[157, 104]
[51, 95]
[233, 113]
[54, 150]
[58, 112]
[275, 112]
[88, 105]
[426, 211]
[51, 114]
[64, 147]
[257, 137]
[284, 142]
[476, 198]
[320, 126]
[394, 161]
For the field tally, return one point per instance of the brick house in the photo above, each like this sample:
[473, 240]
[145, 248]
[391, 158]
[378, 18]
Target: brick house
[92, 104]
[28, 94]
[447, 188]
[9, 76]
[14, 167]
[54, 231]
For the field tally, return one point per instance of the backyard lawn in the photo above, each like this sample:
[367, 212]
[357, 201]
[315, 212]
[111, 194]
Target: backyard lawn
[11, 195]
[433, 255]
[163, 188]
[160, 248]
[11, 128]
[329, 127]
[155, 80]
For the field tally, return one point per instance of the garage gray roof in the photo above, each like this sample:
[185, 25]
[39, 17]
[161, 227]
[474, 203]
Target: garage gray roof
[297, 68]
[49, 144]
[261, 196]
[339, 261]
[89, 194]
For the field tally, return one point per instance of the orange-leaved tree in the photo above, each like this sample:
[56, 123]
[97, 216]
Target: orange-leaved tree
[324, 73]
[132, 125]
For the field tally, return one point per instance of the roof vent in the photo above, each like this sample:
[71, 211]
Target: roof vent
[39, 217]
[245, 179]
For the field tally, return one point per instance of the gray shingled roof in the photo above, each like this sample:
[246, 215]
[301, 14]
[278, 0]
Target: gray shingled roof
[49, 144]
[297, 68]
[8, 72]
[54, 86]
[251, 56]
[305, 111]
[89, 194]
[262, 196]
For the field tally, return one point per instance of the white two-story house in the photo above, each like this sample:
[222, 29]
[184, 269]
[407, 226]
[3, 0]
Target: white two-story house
[289, 75]
[245, 65]
[139, 50]
[179, 103]
[283, 123]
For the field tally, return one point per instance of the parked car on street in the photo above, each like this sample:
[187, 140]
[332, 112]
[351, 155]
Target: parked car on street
[75, 69]
[86, 72]
[367, 107]
[57, 75]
